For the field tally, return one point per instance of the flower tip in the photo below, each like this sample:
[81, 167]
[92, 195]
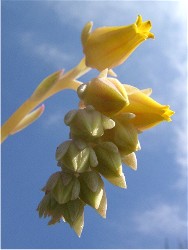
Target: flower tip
[61, 72]
[168, 113]
[42, 108]
[139, 20]
[151, 35]
[143, 28]
[86, 32]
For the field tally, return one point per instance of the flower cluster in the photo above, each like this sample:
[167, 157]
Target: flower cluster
[104, 129]
[103, 135]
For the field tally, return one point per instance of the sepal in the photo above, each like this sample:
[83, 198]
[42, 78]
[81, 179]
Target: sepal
[124, 135]
[91, 188]
[109, 163]
[73, 213]
[130, 160]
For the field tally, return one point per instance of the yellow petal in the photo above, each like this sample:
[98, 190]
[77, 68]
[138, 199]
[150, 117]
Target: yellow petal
[141, 103]
[147, 120]
[108, 47]
[85, 32]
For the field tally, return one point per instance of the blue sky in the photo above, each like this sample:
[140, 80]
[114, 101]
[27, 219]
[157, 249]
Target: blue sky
[40, 37]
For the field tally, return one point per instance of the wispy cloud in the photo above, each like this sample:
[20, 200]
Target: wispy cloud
[164, 219]
[178, 98]
[49, 53]
[115, 11]
[53, 119]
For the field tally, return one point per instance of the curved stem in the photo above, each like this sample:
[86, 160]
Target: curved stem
[67, 81]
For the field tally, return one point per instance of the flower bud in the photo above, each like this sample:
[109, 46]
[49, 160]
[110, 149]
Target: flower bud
[107, 95]
[73, 213]
[74, 155]
[87, 123]
[63, 186]
[49, 207]
[109, 163]
[108, 47]
[91, 188]
[124, 135]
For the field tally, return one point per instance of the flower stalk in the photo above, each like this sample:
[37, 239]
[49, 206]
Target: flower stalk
[49, 87]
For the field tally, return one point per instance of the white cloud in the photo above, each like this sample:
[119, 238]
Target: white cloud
[178, 98]
[164, 219]
[113, 12]
[49, 53]
[53, 119]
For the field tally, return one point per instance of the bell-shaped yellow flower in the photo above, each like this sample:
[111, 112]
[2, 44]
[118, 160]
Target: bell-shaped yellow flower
[148, 112]
[108, 47]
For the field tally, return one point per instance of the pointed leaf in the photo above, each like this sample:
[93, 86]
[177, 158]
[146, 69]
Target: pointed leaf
[46, 85]
[28, 119]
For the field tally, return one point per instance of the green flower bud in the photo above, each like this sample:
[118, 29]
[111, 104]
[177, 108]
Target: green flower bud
[109, 163]
[124, 135]
[73, 213]
[87, 123]
[49, 207]
[74, 155]
[107, 95]
[64, 193]
[63, 186]
[91, 188]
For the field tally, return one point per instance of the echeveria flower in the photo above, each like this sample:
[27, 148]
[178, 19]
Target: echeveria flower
[104, 130]
[108, 47]
[148, 112]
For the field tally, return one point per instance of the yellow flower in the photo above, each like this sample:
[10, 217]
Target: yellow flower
[108, 47]
[148, 112]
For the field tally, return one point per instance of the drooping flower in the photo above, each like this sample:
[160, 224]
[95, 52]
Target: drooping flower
[148, 112]
[108, 47]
